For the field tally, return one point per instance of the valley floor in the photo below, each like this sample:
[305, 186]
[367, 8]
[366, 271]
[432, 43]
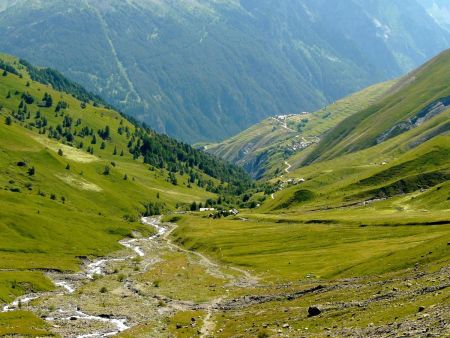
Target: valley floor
[156, 286]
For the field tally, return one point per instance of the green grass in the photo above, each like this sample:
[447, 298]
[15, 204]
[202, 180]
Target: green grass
[16, 283]
[325, 245]
[24, 324]
[177, 269]
[390, 169]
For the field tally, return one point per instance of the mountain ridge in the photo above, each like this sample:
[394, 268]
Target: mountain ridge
[267, 61]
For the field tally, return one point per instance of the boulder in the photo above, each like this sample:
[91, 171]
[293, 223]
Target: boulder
[313, 311]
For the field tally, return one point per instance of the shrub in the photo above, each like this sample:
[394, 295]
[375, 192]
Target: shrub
[107, 170]
[31, 171]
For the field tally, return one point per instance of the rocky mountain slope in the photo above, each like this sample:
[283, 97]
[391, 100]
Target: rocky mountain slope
[439, 10]
[206, 69]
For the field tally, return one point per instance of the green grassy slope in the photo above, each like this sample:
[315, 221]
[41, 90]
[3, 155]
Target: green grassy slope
[418, 92]
[402, 181]
[326, 244]
[377, 218]
[59, 201]
[388, 171]
[263, 148]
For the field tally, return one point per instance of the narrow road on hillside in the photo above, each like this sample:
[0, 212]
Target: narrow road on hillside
[287, 171]
[288, 167]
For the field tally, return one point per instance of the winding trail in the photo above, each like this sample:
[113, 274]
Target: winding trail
[287, 171]
[288, 167]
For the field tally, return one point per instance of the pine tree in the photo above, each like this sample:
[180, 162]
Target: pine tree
[115, 151]
[8, 120]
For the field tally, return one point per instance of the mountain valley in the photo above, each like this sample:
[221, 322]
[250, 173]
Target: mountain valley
[327, 214]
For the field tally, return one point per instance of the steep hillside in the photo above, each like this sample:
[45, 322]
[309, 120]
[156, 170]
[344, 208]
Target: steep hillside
[206, 70]
[263, 148]
[75, 177]
[422, 96]
[396, 152]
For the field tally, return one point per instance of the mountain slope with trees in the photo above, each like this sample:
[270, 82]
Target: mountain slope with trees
[205, 70]
[76, 176]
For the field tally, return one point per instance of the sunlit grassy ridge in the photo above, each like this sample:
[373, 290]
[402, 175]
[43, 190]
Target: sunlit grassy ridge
[262, 148]
[416, 92]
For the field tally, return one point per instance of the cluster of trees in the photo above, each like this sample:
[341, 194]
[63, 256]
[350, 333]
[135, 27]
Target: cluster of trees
[60, 83]
[153, 208]
[47, 100]
[225, 202]
[27, 98]
[210, 203]
[8, 68]
[164, 152]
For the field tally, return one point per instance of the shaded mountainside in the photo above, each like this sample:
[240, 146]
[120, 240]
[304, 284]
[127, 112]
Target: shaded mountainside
[439, 10]
[75, 176]
[205, 70]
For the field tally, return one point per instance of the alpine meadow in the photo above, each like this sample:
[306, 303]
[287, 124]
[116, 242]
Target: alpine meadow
[224, 168]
